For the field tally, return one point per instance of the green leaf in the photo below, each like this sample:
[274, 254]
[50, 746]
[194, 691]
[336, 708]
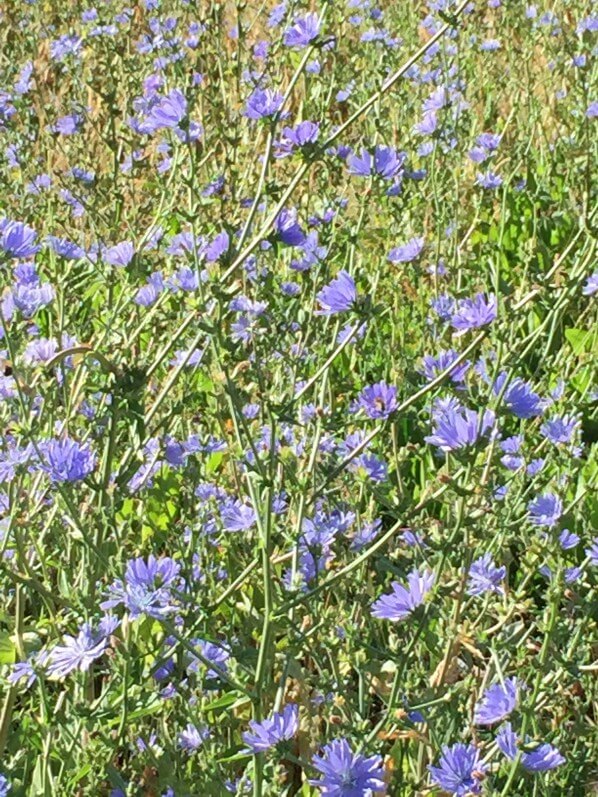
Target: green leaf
[580, 340]
[7, 649]
[226, 700]
[213, 462]
[85, 770]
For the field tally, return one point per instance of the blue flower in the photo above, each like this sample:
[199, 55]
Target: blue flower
[507, 740]
[302, 32]
[65, 248]
[217, 654]
[545, 510]
[262, 103]
[28, 298]
[560, 429]
[518, 397]
[386, 162]
[474, 313]
[288, 228]
[489, 180]
[5, 786]
[303, 135]
[29, 668]
[432, 366]
[366, 534]
[378, 400]
[535, 466]
[281, 726]
[497, 702]
[402, 601]
[512, 462]
[592, 552]
[348, 332]
[347, 774]
[168, 112]
[337, 297]
[277, 15]
[485, 576]
[148, 293]
[543, 758]
[407, 252]
[78, 653]
[373, 467]
[591, 286]
[66, 460]
[192, 738]
[119, 255]
[490, 45]
[237, 516]
[17, 239]
[443, 306]
[511, 445]
[457, 427]
[568, 539]
[68, 125]
[428, 124]
[146, 588]
[218, 247]
[460, 770]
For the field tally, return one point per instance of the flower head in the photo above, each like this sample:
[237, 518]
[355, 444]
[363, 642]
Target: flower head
[120, 255]
[337, 297]
[385, 162]
[485, 576]
[507, 740]
[497, 702]
[303, 135]
[347, 774]
[217, 654]
[407, 252]
[288, 228]
[192, 738]
[543, 758]
[457, 427]
[279, 727]
[474, 313]
[591, 285]
[67, 460]
[378, 400]
[17, 239]
[560, 429]
[262, 103]
[489, 180]
[28, 298]
[302, 32]
[146, 588]
[432, 366]
[237, 516]
[402, 601]
[78, 653]
[545, 510]
[518, 397]
[460, 770]
[168, 112]
[592, 552]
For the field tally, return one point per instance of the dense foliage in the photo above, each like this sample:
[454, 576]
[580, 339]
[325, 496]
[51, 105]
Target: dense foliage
[298, 335]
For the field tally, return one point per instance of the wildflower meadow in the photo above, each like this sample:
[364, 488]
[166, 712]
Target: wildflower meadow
[298, 392]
